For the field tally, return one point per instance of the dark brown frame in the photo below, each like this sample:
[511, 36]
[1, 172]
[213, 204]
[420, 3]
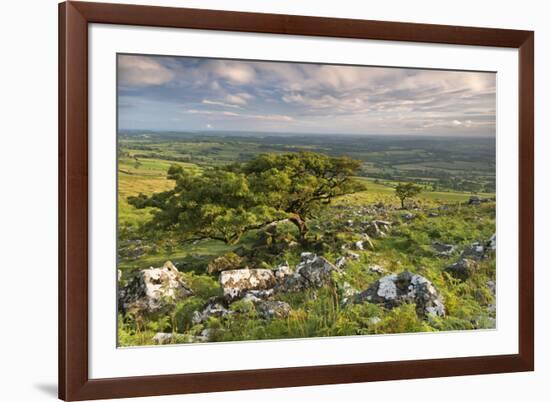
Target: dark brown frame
[74, 17]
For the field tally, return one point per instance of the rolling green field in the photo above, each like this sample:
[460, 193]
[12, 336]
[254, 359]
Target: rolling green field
[447, 170]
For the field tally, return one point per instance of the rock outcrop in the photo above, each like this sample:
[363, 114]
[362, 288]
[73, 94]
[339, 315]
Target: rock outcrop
[270, 309]
[238, 282]
[212, 309]
[153, 290]
[162, 338]
[313, 271]
[394, 290]
[462, 269]
[378, 228]
[443, 250]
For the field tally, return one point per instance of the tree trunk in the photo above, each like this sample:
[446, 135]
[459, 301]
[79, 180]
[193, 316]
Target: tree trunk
[300, 224]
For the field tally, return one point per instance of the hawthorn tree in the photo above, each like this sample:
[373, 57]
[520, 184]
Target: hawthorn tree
[223, 203]
[405, 191]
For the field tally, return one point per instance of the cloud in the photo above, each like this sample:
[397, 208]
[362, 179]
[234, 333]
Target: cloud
[252, 95]
[241, 98]
[217, 103]
[235, 72]
[141, 71]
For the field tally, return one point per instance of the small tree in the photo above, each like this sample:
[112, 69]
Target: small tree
[223, 203]
[405, 191]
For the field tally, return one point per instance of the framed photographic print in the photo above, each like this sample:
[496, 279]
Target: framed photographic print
[258, 200]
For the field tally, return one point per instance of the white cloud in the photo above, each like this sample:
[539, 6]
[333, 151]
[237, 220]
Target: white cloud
[235, 72]
[142, 71]
[217, 103]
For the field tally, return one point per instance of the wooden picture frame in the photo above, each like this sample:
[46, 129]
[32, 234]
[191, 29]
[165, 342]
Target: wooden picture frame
[74, 381]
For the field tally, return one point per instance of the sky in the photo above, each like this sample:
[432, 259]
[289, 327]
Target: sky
[197, 94]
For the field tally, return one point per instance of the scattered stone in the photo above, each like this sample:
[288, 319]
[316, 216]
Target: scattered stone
[162, 338]
[347, 292]
[492, 287]
[476, 251]
[236, 283]
[316, 270]
[433, 215]
[378, 228]
[312, 272]
[340, 262]
[153, 290]
[377, 269]
[282, 271]
[474, 200]
[270, 309]
[204, 336]
[212, 309]
[492, 244]
[443, 250]
[408, 216]
[367, 242]
[462, 269]
[358, 245]
[394, 290]
[374, 320]
[353, 256]
[224, 262]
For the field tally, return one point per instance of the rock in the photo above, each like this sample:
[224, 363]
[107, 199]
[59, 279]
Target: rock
[492, 243]
[378, 228]
[270, 309]
[377, 269]
[153, 290]
[255, 295]
[353, 256]
[236, 283]
[162, 338]
[394, 290]
[312, 272]
[224, 262]
[408, 216]
[212, 309]
[283, 270]
[347, 292]
[204, 336]
[443, 250]
[358, 245]
[119, 274]
[367, 242]
[474, 200]
[307, 256]
[476, 251]
[462, 269]
[317, 271]
[340, 262]
[374, 320]
[433, 215]
[492, 287]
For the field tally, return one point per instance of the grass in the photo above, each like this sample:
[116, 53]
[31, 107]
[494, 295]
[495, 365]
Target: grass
[320, 312]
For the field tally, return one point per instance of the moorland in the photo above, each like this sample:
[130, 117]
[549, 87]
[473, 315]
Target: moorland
[226, 236]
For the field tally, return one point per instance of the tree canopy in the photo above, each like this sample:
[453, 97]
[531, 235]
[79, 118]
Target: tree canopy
[225, 202]
[407, 190]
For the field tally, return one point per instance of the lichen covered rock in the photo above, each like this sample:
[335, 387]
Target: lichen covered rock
[153, 290]
[236, 283]
[462, 269]
[394, 290]
[270, 309]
